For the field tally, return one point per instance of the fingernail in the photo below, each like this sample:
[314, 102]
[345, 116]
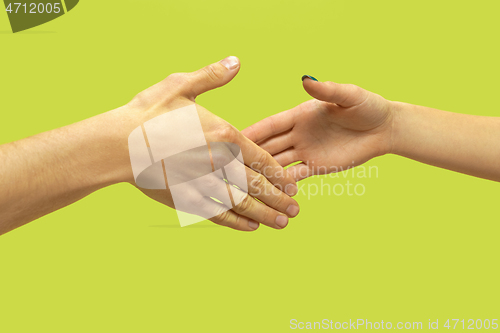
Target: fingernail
[282, 221]
[291, 189]
[230, 62]
[292, 210]
[309, 77]
[253, 225]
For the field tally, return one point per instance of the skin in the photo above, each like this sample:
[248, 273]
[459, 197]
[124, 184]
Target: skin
[345, 125]
[51, 170]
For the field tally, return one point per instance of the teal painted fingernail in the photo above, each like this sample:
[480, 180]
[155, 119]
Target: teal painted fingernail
[309, 77]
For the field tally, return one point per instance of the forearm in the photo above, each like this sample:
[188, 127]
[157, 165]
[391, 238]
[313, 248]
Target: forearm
[459, 142]
[48, 171]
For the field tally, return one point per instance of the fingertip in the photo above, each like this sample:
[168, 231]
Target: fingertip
[311, 85]
[293, 210]
[304, 77]
[253, 225]
[281, 221]
[231, 63]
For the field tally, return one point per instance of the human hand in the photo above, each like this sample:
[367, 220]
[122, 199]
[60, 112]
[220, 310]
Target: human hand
[344, 126]
[180, 90]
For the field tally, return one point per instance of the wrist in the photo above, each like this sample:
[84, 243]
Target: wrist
[386, 131]
[400, 114]
[112, 131]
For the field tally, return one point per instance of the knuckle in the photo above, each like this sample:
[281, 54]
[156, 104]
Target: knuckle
[246, 205]
[223, 218]
[261, 161]
[331, 84]
[280, 200]
[241, 223]
[359, 95]
[348, 90]
[352, 88]
[227, 133]
[272, 124]
[178, 80]
[213, 73]
[266, 214]
[210, 182]
[258, 182]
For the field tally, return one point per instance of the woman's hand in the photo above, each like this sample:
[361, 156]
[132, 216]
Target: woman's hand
[342, 127]
[265, 177]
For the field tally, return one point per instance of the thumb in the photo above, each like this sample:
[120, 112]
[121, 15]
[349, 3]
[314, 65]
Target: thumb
[213, 76]
[345, 95]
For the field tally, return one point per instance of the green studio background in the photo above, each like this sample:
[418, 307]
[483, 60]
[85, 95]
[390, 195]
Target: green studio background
[420, 244]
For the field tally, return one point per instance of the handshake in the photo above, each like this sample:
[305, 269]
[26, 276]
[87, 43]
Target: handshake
[184, 156]
[239, 179]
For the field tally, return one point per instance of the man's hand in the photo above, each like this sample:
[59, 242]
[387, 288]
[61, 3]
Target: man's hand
[264, 175]
[48, 171]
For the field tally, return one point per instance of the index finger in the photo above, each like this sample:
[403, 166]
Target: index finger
[273, 125]
[262, 162]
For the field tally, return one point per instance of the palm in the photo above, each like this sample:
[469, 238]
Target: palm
[327, 136]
